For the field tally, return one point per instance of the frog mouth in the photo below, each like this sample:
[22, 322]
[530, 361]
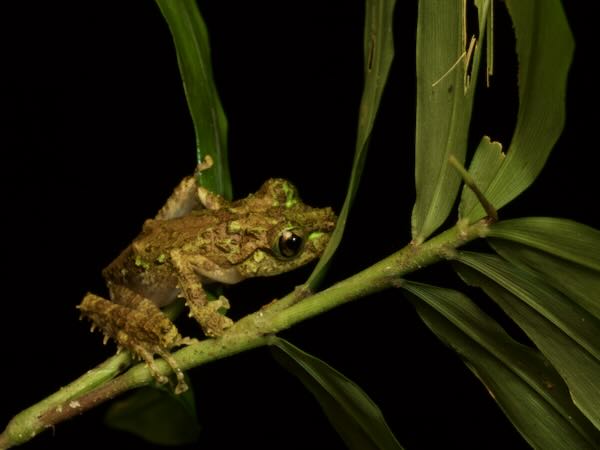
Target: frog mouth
[230, 275]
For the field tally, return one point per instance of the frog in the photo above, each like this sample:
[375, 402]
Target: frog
[199, 238]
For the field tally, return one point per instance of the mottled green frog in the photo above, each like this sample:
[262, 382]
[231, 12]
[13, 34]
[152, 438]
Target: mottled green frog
[198, 238]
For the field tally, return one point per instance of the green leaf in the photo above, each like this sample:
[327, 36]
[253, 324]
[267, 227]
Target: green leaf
[565, 253]
[352, 413]
[378, 55]
[193, 55]
[157, 415]
[527, 388]
[563, 331]
[444, 102]
[489, 39]
[545, 49]
[579, 283]
[560, 237]
[484, 166]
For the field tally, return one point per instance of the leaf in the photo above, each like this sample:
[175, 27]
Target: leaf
[157, 415]
[580, 284]
[193, 56]
[378, 56]
[560, 237]
[444, 103]
[545, 49]
[484, 166]
[565, 253]
[563, 331]
[527, 388]
[489, 39]
[352, 413]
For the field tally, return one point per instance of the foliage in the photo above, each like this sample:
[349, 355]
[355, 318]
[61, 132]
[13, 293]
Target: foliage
[542, 272]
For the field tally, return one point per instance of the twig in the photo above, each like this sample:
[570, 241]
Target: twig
[470, 182]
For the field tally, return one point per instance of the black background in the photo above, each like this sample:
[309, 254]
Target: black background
[96, 133]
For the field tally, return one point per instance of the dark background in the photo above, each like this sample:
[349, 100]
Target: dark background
[96, 133]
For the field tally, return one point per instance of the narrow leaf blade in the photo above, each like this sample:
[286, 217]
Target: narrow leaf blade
[545, 49]
[444, 103]
[564, 238]
[193, 56]
[352, 413]
[580, 284]
[527, 388]
[564, 332]
[378, 55]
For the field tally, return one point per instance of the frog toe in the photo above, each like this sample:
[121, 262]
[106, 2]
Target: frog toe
[181, 385]
[148, 358]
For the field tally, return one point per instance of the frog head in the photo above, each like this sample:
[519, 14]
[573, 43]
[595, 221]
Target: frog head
[278, 232]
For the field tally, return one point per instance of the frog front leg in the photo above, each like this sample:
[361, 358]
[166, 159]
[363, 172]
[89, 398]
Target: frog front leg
[206, 313]
[138, 325]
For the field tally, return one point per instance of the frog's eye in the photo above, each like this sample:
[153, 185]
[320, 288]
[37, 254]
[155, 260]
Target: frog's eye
[288, 244]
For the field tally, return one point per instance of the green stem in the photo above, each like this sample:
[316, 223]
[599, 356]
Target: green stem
[99, 385]
[27, 424]
[471, 184]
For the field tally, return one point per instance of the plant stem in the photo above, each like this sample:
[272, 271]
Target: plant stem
[27, 424]
[471, 184]
[99, 385]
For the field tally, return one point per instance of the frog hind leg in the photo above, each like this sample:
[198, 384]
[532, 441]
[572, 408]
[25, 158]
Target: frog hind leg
[138, 325]
[148, 357]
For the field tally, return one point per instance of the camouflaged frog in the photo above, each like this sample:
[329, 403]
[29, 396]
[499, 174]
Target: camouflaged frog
[198, 238]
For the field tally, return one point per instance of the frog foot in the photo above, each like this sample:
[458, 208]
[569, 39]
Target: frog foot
[148, 357]
[213, 323]
[144, 330]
